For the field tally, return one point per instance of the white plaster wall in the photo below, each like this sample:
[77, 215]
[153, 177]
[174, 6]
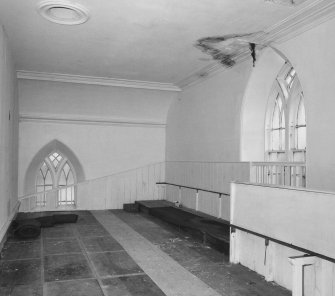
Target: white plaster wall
[8, 135]
[48, 98]
[102, 148]
[204, 123]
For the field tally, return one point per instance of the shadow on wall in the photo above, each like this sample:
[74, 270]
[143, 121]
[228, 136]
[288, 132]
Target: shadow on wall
[255, 103]
[35, 164]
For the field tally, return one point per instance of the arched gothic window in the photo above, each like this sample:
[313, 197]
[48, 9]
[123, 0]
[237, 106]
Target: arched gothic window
[299, 130]
[286, 119]
[56, 171]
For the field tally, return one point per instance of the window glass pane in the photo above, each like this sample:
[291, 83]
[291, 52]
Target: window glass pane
[66, 169]
[39, 179]
[282, 121]
[66, 177]
[280, 104]
[273, 157]
[275, 117]
[301, 137]
[62, 179]
[55, 159]
[48, 179]
[301, 117]
[44, 169]
[282, 139]
[39, 188]
[275, 139]
[70, 179]
[299, 156]
[62, 195]
[48, 187]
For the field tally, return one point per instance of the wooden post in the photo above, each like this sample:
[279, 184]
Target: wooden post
[298, 264]
[220, 206]
[197, 200]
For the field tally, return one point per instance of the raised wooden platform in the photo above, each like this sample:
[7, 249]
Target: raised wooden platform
[211, 230]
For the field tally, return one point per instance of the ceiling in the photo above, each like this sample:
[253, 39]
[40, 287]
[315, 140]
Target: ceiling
[148, 40]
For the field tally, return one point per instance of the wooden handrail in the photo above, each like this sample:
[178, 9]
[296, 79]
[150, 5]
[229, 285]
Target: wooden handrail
[280, 242]
[194, 188]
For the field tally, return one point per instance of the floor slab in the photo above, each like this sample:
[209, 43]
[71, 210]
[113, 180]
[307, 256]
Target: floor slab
[208, 264]
[139, 285]
[20, 272]
[175, 262]
[170, 276]
[91, 230]
[58, 232]
[22, 290]
[61, 246]
[114, 263]
[101, 244]
[21, 250]
[66, 267]
[89, 287]
[87, 220]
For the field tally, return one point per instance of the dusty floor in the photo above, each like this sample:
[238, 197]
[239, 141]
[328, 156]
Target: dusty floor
[84, 259]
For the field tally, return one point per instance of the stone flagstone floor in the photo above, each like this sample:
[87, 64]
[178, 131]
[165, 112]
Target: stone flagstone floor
[83, 259]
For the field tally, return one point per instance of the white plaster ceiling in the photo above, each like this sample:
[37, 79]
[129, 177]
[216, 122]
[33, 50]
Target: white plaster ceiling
[150, 40]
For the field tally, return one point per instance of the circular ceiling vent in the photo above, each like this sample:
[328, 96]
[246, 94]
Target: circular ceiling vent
[63, 12]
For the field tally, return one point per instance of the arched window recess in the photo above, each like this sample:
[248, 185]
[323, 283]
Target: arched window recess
[286, 119]
[56, 171]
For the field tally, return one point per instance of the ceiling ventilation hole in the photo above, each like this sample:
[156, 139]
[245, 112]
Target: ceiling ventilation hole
[63, 12]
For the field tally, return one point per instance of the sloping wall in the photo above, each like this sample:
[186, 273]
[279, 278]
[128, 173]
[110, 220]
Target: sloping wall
[109, 129]
[255, 103]
[9, 135]
[204, 123]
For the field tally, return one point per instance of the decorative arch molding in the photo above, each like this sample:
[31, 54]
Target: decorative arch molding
[255, 103]
[35, 164]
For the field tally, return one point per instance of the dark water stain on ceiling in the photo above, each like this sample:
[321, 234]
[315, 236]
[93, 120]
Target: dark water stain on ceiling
[227, 48]
[286, 2]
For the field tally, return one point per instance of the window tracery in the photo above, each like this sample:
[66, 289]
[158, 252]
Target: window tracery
[56, 171]
[286, 119]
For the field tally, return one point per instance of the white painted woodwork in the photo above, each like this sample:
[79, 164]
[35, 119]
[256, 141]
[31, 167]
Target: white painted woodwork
[279, 173]
[298, 264]
[272, 211]
[215, 176]
[297, 216]
[109, 192]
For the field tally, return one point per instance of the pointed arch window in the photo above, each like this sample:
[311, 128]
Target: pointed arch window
[66, 178]
[56, 171]
[278, 126]
[286, 119]
[299, 132]
[55, 159]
